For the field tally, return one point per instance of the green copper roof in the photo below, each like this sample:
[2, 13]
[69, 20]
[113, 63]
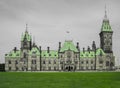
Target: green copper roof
[87, 54]
[99, 51]
[106, 26]
[27, 36]
[13, 54]
[35, 51]
[91, 54]
[52, 53]
[68, 45]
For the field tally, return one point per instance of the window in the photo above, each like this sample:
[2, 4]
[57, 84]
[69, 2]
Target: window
[107, 63]
[54, 62]
[86, 62]
[76, 56]
[17, 55]
[10, 54]
[16, 68]
[9, 68]
[82, 62]
[101, 62]
[61, 62]
[25, 55]
[33, 61]
[43, 62]
[16, 62]
[91, 62]
[49, 62]
[9, 62]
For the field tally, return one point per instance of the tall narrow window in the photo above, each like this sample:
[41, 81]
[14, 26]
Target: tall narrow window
[9, 62]
[54, 62]
[43, 62]
[9, 68]
[49, 62]
[16, 62]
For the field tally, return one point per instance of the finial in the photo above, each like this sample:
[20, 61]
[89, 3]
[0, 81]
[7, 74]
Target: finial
[26, 28]
[105, 12]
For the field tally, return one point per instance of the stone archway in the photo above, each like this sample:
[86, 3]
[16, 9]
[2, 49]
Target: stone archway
[69, 68]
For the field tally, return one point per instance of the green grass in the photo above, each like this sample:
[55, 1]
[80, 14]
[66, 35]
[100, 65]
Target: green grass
[60, 80]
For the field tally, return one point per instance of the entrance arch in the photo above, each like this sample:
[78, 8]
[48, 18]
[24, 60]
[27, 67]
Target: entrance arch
[69, 68]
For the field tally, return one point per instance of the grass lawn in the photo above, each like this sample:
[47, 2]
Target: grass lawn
[60, 80]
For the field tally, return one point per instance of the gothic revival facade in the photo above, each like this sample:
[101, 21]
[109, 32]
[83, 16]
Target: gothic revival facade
[68, 57]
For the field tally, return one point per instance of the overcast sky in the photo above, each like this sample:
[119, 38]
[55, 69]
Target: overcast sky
[48, 21]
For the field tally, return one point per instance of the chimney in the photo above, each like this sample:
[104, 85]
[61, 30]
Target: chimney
[78, 46]
[93, 46]
[40, 49]
[15, 49]
[48, 49]
[59, 45]
[89, 49]
[83, 50]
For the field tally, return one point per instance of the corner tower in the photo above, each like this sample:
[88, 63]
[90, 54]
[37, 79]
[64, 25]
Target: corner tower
[106, 35]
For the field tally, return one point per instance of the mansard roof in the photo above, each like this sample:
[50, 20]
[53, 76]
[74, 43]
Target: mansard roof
[68, 45]
[51, 53]
[13, 54]
[91, 54]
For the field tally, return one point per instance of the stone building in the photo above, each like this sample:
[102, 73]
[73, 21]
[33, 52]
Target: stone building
[68, 57]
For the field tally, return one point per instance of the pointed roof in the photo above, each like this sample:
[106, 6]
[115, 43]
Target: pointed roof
[34, 50]
[105, 24]
[68, 45]
[26, 35]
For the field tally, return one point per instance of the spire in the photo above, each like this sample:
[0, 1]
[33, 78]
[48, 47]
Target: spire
[105, 12]
[105, 24]
[26, 28]
[105, 16]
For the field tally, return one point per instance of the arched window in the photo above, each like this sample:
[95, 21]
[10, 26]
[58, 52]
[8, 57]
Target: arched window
[107, 63]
